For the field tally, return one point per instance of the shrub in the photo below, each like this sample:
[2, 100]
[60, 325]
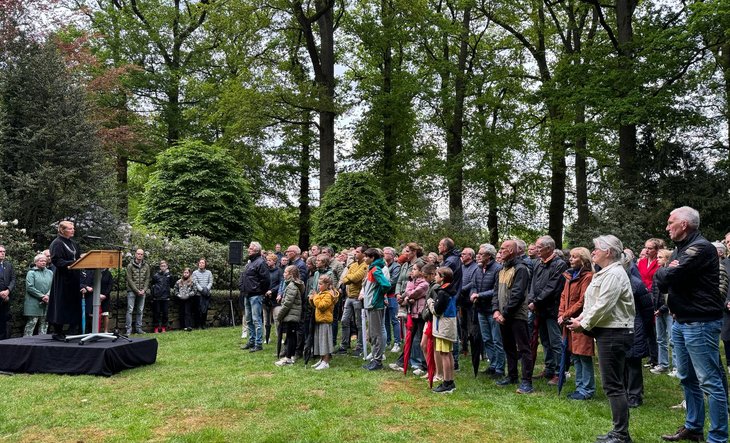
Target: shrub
[198, 190]
[354, 210]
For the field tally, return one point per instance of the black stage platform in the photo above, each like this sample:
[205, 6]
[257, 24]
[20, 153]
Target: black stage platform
[41, 354]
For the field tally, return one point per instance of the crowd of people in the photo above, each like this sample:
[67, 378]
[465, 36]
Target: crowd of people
[662, 311]
[665, 311]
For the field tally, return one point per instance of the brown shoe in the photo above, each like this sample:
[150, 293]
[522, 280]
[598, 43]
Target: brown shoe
[684, 434]
[553, 381]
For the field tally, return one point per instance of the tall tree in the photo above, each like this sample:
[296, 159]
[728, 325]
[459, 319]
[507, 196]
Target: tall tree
[381, 35]
[322, 56]
[52, 165]
[532, 33]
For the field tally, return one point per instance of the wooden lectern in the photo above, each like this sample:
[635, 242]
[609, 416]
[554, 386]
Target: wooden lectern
[96, 260]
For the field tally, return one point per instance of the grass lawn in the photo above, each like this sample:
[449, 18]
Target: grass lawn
[203, 388]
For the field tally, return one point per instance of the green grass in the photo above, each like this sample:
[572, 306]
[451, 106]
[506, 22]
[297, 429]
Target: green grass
[203, 388]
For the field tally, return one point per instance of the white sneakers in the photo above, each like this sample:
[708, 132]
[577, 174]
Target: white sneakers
[322, 365]
[396, 348]
[418, 372]
[319, 362]
[395, 367]
[284, 362]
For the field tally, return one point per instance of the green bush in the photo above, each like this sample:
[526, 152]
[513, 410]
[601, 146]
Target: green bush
[354, 210]
[198, 189]
[20, 251]
[184, 252]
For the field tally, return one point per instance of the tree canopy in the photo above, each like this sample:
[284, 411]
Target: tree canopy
[197, 189]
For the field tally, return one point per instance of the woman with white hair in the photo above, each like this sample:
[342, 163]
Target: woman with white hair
[608, 315]
[37, 290]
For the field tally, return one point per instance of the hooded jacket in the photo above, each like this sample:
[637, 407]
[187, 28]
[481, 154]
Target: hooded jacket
[291, 302]
[376, 285]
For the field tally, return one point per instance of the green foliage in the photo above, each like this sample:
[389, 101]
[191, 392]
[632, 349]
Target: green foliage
[430, 233]
[20, 251]
[354, 211]
[198, 190]
[181, 253]
[52, 164]
[276, 225]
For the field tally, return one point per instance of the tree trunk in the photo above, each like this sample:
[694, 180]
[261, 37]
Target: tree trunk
[556, 209]
[389, 141]
[122, 185]
[627, 130]
[304, 165]
[327, 98]
[581, 170]
[455, 130]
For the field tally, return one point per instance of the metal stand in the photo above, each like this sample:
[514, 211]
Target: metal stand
[96, 304]
[230, 297]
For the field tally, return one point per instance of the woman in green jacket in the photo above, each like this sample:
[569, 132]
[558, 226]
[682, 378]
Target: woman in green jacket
[37, 289]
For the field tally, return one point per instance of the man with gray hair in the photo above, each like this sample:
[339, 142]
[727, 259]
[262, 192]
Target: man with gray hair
[692, 281]
[482, 291]
[253, 284]
[544, 301]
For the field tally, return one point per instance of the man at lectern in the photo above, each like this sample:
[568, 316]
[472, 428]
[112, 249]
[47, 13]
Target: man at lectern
[64, 304]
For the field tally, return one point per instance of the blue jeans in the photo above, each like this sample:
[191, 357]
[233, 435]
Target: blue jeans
[391, 321]
[550, 339]
[697, 346]
[135, 305]
[585, 380]
[254, 319]
[663, 330]
[492, 339]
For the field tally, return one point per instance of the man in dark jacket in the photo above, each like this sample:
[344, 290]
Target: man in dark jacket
[544, 301]
[7, 284]
[692, 280]
[162, 281]
[509, 309]
[482, 292]
[253, 284]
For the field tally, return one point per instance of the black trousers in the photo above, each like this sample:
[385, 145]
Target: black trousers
[613, 344]
[186, 317]
[291, 328]
[4, 308]
[160, 309]
[634, 378]
[516, 344]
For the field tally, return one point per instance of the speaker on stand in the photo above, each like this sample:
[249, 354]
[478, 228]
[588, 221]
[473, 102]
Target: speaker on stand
[235, 257]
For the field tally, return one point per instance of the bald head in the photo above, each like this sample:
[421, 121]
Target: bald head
[508, 250]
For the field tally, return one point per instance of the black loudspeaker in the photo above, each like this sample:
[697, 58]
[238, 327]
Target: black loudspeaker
[235, 252]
